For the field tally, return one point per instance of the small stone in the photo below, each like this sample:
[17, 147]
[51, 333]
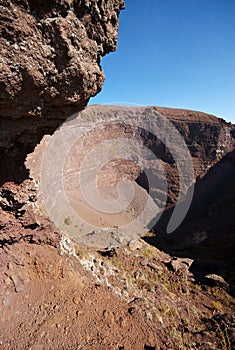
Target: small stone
[155, 267]
[216, 280]
[144, 262]
[108, 316]
[135, 245]
[123, 322]
[76, 299]
[138, 274]
[176, 264]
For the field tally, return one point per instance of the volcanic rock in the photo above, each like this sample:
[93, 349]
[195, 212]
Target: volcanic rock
[49, 68]
[104, 146]
[54, 292]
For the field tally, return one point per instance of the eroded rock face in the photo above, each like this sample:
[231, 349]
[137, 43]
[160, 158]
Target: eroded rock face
[49, 67]
[159, 151]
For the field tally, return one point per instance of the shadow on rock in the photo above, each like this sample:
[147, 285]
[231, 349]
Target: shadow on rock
[207, 234]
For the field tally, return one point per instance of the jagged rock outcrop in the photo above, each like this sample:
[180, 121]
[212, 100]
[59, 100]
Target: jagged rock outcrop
[49, 68]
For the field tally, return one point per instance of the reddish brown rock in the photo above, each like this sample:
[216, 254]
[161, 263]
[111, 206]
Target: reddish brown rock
[53, 293]
[49, 67]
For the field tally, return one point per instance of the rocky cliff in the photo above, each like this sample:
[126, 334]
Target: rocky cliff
[54, 292]
[49, 68]
[182, 146]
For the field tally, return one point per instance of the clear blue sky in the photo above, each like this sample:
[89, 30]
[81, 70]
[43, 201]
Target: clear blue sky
[176, 54]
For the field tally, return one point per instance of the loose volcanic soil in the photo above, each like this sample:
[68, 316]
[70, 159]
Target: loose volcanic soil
[56, 294]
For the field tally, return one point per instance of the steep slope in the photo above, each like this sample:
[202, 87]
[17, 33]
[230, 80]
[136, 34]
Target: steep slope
[102, 147]
[54, 292]
[57, 294]
[209, 227]
[136, 297]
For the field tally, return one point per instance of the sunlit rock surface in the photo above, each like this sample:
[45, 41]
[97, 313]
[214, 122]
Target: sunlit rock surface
[108, 172]
[50, 53]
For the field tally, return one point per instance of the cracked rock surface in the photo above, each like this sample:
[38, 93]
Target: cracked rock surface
[49, 67]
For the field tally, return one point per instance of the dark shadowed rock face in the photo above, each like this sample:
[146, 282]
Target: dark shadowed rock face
[49, 66]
